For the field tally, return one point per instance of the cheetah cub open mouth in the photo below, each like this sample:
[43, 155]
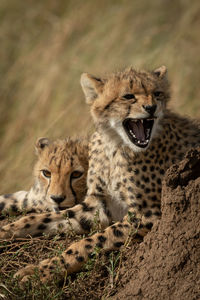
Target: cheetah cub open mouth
[138, 130]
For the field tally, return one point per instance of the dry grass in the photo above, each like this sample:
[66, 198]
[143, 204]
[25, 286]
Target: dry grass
[96, 280]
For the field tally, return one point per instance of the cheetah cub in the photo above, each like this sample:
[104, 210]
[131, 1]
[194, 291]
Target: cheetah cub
[136, 140]
[59, 178]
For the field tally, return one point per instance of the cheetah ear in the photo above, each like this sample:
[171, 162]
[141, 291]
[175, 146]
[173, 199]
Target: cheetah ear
[91, 86]
[160, 72]
[40, 144]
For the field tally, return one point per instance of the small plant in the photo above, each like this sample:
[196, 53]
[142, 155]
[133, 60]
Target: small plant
[112, 267]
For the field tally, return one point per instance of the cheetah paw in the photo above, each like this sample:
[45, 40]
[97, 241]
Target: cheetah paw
[24, 274]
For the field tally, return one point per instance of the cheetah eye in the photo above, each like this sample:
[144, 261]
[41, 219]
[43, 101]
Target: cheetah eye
[129, 96]
[158, 94]
[46, 173]
[76, 174]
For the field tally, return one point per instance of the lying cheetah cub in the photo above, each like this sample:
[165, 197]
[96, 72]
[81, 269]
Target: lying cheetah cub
[136, 140]
[60, 178]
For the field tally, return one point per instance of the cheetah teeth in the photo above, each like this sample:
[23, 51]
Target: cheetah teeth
[132, 133]
[142, 143]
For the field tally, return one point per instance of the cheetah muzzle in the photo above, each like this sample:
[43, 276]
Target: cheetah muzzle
[138, 131]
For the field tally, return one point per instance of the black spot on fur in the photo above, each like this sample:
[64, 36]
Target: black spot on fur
[131, 179]
[154, 198]
[99, 245]
[89, 240]
[148, 214]
[101, 238]
[87, 246]
[152, 168]
[159, 181]
[130, 189]
[122, 196]
[41, 227]
[7, 195]
[136, 171]
[144, 204]
[46, 220]
[156, 205]
[85, 224]
[86, 207]
[101, 181]
[70, 214]
[149, 225]
[118, 185]
[114, 153]
[138, 237]
[14, 208]
[138, 183]
[133, 204]
[157, 213]
[138, 196]
[27, 225]
[126, 226]
[25, 202]
[118, 244]
[145, 179]
[99, 188]
[2, 205]
[117, 232]
[144, 168]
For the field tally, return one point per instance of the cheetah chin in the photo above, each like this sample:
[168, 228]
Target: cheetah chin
[139, 130]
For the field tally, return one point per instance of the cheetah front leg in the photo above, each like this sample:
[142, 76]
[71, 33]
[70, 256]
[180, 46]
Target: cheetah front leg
[78, 219]
[23, 202]
[74, 257]
[12, 203]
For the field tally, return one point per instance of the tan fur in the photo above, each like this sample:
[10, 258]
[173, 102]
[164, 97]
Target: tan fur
[124, 179]
[61, 158]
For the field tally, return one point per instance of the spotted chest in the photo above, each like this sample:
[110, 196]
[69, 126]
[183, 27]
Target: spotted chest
[130, 179]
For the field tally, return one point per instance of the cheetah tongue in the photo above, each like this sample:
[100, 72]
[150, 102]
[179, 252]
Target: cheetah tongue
[138, 130]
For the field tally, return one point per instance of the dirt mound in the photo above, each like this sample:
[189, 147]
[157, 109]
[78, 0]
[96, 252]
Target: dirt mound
[166, 265]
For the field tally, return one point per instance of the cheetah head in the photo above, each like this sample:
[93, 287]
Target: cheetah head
[128, 105]
[60, 171]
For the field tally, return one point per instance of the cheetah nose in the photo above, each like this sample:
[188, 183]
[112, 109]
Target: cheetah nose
[58, 199]
[150, 108]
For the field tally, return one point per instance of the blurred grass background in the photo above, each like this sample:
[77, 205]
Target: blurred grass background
[46, 45]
